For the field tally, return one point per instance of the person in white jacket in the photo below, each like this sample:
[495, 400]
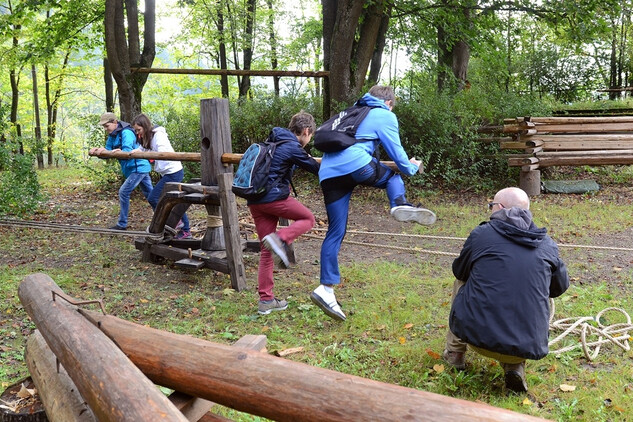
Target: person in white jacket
[155, 138]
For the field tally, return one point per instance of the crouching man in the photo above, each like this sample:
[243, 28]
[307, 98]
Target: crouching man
[505, 274]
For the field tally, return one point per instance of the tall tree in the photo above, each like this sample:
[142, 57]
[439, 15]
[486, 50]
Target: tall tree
[247, 51]
[351, 30]
[124, 52]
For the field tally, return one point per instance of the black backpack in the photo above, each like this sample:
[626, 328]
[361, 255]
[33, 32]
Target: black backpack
[251, 178]
[339, 131]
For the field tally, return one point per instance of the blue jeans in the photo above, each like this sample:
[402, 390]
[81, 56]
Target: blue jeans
[154, 197]
[132, 181]
[337, 193]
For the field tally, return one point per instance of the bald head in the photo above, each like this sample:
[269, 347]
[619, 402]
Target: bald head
[513, 197]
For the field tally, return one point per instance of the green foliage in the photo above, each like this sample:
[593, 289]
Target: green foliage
[19, 188]
[251, 121]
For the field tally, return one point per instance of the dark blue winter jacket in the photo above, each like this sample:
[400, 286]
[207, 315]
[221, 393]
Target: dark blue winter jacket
[288, 156]
[511, 268]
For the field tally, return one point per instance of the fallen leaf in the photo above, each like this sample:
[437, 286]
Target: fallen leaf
[438, 367]
[408, 326]
[25, 392]
[402, 340]
[617, 269]
[143, 300]
[567, 387]
[433, 354]
[527, 402]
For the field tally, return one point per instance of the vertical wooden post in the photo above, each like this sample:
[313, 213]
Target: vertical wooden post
[530, 182]
[215, 131]
[231, 232]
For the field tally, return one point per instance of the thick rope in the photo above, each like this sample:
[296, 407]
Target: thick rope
[617, 334]
[78, 229]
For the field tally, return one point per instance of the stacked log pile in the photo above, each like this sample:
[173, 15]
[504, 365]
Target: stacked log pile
[92, 366]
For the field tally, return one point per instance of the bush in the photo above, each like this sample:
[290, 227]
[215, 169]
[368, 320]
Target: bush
[19, 187]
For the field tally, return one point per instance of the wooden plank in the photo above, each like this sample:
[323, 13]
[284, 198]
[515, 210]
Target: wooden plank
[188, 263]
[582, 119]
[580, 154]
[113, 387]
[231, 226]
[212, 259]
[585, 127]
[280, 389]
[592, 160]
[59, 394]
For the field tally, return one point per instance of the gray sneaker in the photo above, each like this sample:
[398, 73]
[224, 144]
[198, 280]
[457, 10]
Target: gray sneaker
[411, 213]
[278, 247]
[266, 307]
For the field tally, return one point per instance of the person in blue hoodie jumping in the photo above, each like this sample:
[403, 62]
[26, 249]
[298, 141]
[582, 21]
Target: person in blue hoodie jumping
[277, 203]
[121, 137]
[342, 171]
[504, 276]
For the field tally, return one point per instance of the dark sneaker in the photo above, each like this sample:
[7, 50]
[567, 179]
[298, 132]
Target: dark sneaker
[266, 307]
[327, 302]
[183, 234]
[278, 247]
[515, 377]
[414, 214]
[117, 227]
[455, 359]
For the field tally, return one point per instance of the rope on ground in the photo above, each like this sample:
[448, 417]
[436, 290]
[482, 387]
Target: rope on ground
[78, 229]
[617, 334]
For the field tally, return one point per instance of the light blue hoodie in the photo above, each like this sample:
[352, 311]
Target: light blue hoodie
[380, 127]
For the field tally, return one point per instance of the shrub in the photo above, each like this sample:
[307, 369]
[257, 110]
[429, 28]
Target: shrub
[19, 187]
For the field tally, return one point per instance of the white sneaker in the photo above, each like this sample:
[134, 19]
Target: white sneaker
[327, 302]
[411, 213]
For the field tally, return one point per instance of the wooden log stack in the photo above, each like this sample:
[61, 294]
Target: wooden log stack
[115, 365]
[539, 142]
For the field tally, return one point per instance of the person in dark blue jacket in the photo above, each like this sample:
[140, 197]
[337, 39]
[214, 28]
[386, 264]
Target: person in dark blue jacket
[277, 203]
[505, 274]
[121, 137]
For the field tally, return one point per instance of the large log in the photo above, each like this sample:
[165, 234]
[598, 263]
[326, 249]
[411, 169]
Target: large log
[113, 387]
[279, 389]
[60, 397]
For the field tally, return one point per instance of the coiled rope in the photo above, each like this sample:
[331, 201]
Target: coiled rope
[617, 334]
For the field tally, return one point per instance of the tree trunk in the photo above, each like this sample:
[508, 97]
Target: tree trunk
[247, 52]
[15, 95]
[224, 79]
[613, 66]
[124, 52]
[376, 59]
[108, 85]
[38, 127]
[350, 39]
[273, 45]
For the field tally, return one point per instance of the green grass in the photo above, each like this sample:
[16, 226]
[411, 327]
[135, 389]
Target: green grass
[397, 311]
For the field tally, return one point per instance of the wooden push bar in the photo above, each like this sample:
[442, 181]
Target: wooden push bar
[227, 158]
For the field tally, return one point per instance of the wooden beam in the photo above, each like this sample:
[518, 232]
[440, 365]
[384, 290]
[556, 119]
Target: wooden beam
[112, 386]
[279, 389]
[227, 158]
[59, 395]
[233, 72]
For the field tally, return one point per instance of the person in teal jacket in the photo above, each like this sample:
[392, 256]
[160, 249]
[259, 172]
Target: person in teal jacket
[121, 137]
[342, 171]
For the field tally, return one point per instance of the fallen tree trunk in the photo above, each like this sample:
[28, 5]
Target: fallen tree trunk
[112, 386]
[60, 397]
[276, 388]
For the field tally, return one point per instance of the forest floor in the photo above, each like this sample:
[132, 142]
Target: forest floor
[394, 278]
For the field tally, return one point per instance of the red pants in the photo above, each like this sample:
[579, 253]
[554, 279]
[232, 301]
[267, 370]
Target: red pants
[266, 217]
